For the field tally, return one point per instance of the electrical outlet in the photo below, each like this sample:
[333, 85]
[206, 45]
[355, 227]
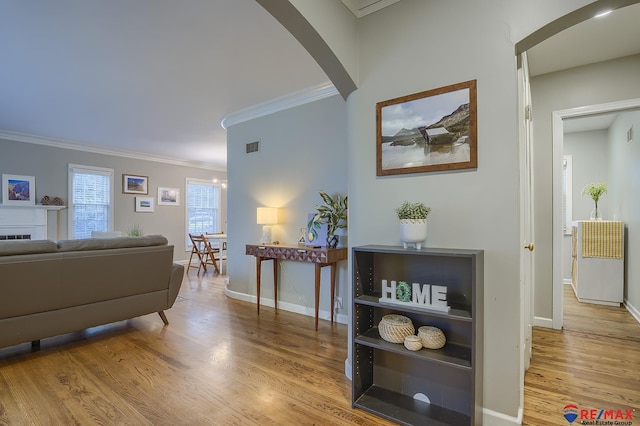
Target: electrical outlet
[338, 303]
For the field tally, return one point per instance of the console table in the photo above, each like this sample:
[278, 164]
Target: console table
[321, 257]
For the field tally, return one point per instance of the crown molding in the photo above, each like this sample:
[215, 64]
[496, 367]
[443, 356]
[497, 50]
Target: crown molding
[84, 147]
[301, 97]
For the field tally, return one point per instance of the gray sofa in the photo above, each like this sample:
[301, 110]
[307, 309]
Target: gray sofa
[49, 288]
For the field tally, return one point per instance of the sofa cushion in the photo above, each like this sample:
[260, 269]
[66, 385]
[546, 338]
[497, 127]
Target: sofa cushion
[15, 247]
[111, 243]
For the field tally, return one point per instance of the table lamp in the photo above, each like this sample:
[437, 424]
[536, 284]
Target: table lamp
[267, 216]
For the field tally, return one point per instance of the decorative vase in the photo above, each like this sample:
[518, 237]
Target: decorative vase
[332, 241]
[595, 214]
[413, 231]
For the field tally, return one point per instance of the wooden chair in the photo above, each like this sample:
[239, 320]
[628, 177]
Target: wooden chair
[204, 252]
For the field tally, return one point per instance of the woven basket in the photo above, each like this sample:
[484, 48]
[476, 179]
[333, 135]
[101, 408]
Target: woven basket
[394, 328]
[431, 337]
[413, 343]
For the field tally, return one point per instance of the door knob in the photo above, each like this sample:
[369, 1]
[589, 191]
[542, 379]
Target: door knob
[529, 246]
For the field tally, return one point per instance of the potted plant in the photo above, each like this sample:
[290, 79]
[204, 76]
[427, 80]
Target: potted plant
[413, 223]
[595, 190]
[333, 213]
[135, 230]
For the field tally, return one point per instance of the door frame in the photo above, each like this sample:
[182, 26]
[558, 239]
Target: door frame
[558, 145]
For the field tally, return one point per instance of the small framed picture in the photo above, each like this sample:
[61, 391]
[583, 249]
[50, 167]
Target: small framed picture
[168, 196]
[132, 184]
[18, 190]
[144, 205]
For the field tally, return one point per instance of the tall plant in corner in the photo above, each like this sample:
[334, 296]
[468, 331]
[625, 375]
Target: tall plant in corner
[333, 213]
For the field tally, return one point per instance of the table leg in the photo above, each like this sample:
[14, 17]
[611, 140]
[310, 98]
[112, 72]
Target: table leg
[258, 268]
[333, 289]
[318, 270]
[275, 284]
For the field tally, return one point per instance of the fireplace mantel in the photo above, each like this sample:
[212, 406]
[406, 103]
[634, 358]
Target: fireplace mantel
[31, 221]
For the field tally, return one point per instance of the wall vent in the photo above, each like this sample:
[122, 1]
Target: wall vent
[15, 237]
[253, 147]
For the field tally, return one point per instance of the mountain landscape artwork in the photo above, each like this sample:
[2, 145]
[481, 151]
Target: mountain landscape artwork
[18, 190]
[428, 131]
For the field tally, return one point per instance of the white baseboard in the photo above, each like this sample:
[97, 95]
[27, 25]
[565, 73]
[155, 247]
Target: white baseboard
[494, 418]
[632, 310]
[542, 322]
[287, 306]
[347, 368]
[567, 281]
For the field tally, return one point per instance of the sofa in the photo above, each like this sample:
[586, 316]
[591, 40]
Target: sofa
[49, 288]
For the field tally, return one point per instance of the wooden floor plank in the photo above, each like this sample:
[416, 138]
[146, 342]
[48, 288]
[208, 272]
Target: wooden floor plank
[593, 363]
[217, 362]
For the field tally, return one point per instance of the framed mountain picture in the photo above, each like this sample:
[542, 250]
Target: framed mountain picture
[428, 131]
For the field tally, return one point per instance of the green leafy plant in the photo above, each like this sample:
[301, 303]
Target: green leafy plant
[333, 213]
[595, 191]
[414, 211]
[135, 231]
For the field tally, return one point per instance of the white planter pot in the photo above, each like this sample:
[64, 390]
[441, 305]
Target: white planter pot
[413, 231]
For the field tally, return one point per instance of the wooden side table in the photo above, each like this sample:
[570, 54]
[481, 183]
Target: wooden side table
[321, 257]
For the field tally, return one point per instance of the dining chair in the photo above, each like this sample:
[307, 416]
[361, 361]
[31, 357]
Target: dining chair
[204, 252]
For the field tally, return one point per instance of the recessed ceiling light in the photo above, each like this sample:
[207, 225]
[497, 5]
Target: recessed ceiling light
[601, 14]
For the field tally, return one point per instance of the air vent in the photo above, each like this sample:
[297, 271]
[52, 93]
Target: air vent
[15, 237]
[253, 147]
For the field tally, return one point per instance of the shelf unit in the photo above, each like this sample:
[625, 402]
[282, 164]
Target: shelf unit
[391, 381]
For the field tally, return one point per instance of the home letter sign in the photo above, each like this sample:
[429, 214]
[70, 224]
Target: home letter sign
[423, 296]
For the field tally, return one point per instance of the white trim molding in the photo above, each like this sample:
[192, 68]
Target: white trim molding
[286, 306]
[632, 310]
[301, 97]
[495, 418]
[85, 147]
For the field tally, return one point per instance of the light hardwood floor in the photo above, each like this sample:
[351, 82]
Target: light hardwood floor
[593, 363]
[216, 363]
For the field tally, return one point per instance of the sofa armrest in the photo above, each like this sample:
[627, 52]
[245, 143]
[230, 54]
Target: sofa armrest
[175, 282]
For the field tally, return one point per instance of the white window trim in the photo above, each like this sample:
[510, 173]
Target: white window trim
[568, 213]
[189, 180]
[74, 168]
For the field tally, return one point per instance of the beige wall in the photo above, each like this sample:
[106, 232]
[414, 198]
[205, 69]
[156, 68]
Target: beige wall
[412, 46]
[50, 165]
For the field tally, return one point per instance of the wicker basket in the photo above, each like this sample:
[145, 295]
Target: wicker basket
[413, 343]
[394, 328]
[431, 337]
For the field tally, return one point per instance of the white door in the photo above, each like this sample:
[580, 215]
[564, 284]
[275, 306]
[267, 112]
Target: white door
[526, 212]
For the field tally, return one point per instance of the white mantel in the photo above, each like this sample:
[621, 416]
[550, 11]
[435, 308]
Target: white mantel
[26, 220]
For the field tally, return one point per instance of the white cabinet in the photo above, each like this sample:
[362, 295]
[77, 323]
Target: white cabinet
[597, 265]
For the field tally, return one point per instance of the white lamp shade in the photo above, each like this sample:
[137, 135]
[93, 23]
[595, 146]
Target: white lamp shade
[267, 216]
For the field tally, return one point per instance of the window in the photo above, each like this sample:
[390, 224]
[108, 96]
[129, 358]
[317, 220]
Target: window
[90, 200]
[567, 193]
[203, 207]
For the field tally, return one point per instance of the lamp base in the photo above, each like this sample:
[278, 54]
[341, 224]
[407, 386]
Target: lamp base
[266, 235]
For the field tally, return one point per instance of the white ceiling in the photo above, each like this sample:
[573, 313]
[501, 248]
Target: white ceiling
[148, 76]
[157, 76]
[598, 39]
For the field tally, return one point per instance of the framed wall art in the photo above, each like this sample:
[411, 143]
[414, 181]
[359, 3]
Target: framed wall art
[428, 131]
[18, 190]
[168, 196]
[144, 205]
[132, 184]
